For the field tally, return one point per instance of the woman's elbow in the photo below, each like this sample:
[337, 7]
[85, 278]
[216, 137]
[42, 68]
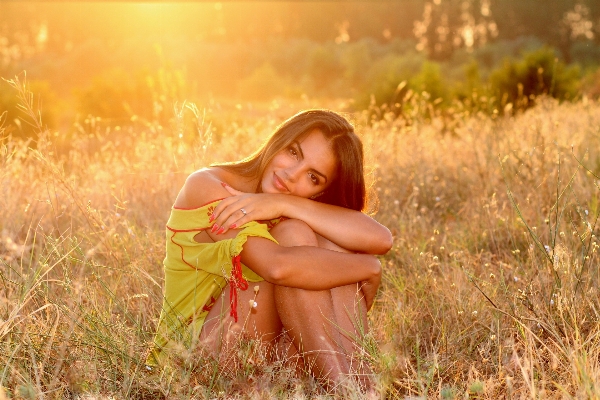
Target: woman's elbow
[277, 273]
[384, 242]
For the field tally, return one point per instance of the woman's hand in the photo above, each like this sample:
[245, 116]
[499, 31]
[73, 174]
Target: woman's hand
[233, 212]
[369, 289]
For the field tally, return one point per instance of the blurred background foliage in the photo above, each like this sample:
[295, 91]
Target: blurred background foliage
[130, 61]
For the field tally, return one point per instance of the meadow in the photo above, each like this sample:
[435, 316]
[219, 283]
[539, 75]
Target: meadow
[489, 292]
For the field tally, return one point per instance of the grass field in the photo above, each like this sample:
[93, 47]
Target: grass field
[490, 290]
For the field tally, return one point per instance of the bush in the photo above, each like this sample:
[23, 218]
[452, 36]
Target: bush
[430, 80]
[540, 72]
[120, 95]
[591, 85]
[262, 84]
[384, 76]
[325, 68]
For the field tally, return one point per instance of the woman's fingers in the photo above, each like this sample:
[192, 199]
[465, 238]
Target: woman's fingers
[369, 290]
[231, 190]
[234, 214]
[236, 220]
[234, 211]
[223, 210]
[226, 201]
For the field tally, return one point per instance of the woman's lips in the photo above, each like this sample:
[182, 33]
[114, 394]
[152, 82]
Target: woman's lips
[279, 184]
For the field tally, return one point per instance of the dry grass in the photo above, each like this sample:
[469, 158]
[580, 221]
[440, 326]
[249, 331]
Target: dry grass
[490, 290]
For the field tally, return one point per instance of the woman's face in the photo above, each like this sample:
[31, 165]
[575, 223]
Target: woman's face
[305, 168]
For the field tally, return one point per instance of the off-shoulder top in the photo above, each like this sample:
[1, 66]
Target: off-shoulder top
[196, 274]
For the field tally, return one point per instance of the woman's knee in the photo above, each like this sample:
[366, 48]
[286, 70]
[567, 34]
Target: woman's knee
[329, 245]
[294, 232]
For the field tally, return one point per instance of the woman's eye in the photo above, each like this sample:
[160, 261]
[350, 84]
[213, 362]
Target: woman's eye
[314, 178]
[293, 152]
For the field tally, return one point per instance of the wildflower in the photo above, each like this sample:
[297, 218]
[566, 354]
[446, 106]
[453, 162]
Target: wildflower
[547, 248]
[551, 302]
[474, 313]
[437, 198]
[587, 212]
[396, 202]
[435, 258]
[515, 279]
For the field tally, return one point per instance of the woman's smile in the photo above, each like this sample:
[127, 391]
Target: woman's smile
[279, 184]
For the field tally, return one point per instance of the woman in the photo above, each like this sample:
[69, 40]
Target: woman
[310, 254]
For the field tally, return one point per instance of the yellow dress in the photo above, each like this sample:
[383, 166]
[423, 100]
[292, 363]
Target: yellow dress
[196, 274]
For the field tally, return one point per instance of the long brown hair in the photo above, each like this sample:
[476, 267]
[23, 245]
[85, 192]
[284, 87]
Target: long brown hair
[348, 188]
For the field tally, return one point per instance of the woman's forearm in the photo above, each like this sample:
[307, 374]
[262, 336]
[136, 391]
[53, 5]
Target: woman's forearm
[349, 229]
[308, 267]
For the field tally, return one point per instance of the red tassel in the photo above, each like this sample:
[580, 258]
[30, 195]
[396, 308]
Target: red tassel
[236, 281]
[208, 306]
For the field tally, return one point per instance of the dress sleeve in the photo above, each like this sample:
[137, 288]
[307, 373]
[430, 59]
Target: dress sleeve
[222, 258]
[236, 244]
[239, 274]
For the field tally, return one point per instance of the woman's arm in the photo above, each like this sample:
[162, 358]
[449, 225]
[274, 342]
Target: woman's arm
[303, 267]
[311, 268]
[347, 228]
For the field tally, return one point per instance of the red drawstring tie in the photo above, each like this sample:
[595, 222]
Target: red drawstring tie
[236, 281]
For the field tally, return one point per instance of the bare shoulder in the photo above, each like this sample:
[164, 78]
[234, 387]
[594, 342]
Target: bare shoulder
[200, 188]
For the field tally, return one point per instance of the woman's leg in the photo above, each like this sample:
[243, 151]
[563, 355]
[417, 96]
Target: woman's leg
[323, 325]
[220, 330]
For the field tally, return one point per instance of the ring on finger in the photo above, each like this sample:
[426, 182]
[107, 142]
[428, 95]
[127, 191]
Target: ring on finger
[243, 212]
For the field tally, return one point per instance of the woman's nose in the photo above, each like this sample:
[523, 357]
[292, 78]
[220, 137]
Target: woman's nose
[293, 173]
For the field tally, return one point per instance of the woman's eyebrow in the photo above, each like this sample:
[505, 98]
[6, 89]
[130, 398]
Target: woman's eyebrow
[322, 175]
[299, 148]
